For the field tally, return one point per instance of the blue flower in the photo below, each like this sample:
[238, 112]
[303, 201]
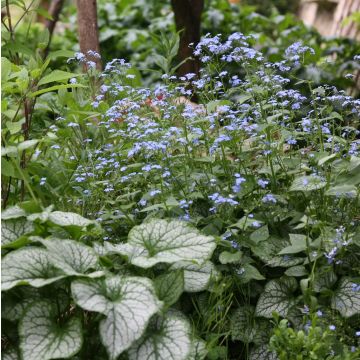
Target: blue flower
[269, 198]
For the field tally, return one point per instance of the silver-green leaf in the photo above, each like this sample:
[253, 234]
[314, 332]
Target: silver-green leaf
[43, 338]
[13, 212]
[346, 298]
[72, 257]
[198, 350]
[244, 326]
[277, 296]
[128, 304]
[28, 266]
[166, 339]
[307, 183]
[69, 219]
[162, 241]
[196, 277]
[262, 353]
[11, 230]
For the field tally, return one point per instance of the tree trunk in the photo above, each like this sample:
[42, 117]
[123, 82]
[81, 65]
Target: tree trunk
[188, 18]
[88, 29]
[54, 10]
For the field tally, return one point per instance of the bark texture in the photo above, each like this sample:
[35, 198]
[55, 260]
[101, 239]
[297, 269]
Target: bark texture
[54, 10]
[88, 28]
[188, 19]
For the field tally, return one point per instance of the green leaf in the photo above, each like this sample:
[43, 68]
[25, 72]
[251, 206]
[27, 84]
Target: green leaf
[227, 257]
[162, 241]
[13, 212]
[42, 337]
[57, 75]
[196, 277]
[248, 273]
[167, 338]
[299, 270]
[277, 296]
[298, 244]
[346, 298]
[244, 326]
[60, 53]
[54, 88]
[11, 230]
[128, 304]
[260, 234]
[69, 219]
[170, 286]
[72, 257]
[28, 266]
[307, 183]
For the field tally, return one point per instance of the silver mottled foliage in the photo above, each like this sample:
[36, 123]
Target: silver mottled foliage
[72, 257]
[43, 338]
[68, 219]
[165, 241]
[128, 304]
[262, 353]
[28, 266]
[11, 230]
[277, 296]
[197, 277]
[346, 298]
[168, 339]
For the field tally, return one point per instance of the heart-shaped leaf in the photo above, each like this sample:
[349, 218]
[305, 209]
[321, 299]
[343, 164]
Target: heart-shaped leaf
[72, 257]
[346, 298]
[165, 241]
[167, 338]
[277, 296]
[42, 337]
[128, 304]
[28, 266]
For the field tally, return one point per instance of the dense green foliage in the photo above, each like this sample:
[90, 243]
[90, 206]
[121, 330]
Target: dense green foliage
[139, 225]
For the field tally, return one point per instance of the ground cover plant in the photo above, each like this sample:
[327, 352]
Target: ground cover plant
[141, 225]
